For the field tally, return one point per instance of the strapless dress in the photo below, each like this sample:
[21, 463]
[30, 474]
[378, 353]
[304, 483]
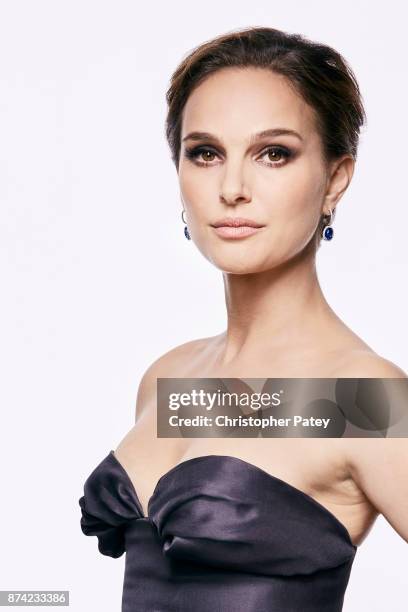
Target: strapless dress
[220, 535]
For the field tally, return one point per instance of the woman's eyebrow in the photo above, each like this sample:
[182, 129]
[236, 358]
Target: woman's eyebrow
[252, 139]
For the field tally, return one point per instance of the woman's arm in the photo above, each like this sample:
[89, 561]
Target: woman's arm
[379, 466]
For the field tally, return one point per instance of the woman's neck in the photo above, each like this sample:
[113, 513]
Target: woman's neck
[280, 310]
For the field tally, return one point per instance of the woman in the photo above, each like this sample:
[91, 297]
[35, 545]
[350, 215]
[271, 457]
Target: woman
[263, 128]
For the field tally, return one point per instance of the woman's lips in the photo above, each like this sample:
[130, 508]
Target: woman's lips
[241, 231]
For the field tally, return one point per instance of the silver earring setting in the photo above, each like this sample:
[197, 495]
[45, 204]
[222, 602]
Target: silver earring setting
[328, 231]
[186, 232]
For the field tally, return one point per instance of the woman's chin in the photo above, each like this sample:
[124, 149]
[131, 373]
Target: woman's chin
[232, 265]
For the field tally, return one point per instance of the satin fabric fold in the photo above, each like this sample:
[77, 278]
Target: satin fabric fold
[220, 535]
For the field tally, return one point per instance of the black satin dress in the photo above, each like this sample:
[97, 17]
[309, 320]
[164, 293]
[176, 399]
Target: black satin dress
[221, 535]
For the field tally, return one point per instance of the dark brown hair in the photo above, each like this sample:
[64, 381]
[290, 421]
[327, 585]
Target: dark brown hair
[317, 72]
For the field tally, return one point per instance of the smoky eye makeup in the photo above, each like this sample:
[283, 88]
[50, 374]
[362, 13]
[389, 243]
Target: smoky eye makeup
[194, 153]
[272, 155]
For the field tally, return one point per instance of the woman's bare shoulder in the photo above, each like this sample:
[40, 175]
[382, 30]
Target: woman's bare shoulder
[378, 466]
[173, 363]
[363, 363]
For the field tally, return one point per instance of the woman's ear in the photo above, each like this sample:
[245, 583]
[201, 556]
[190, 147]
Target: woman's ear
[341, 173]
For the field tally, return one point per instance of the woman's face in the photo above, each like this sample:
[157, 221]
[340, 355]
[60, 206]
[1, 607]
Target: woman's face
[276, 180]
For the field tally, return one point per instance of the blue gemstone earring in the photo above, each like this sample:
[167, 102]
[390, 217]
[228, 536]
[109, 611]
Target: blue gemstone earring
[327, 231]
[186, 232]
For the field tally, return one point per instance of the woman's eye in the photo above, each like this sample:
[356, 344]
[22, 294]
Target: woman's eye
[275, 156]
[201, 155]
[204, 156]
[207, 155]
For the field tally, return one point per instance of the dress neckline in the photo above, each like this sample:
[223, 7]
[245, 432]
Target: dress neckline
[240, 462]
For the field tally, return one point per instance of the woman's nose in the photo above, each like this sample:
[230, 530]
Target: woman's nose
[234, 187]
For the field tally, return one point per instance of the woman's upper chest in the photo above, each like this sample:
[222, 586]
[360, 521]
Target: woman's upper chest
[313, 466]
[316, 466]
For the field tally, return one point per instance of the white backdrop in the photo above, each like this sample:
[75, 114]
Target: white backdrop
[98, 280]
